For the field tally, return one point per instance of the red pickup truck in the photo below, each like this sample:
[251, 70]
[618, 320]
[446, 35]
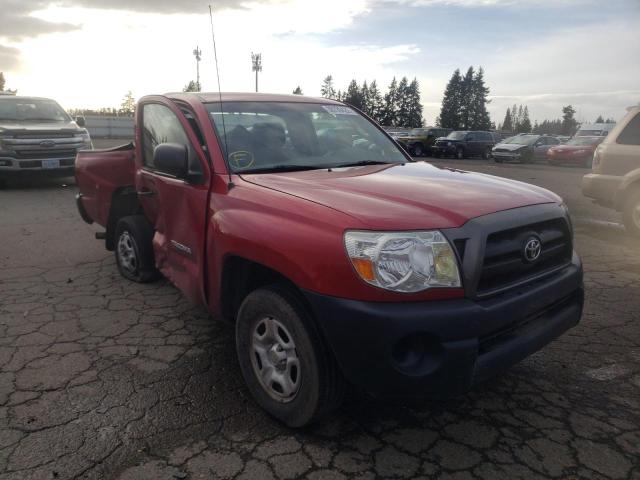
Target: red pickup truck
[338, 258]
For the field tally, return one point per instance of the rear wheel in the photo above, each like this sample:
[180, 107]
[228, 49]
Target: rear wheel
[631, 213]
[486, 155]
[418, 150]
[134, 250]
[286, 365]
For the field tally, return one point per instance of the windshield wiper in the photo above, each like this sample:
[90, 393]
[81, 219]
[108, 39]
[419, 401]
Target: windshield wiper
[362, 163]
[281, 168]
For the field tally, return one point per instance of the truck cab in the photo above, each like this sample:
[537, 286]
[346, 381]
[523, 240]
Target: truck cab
[337, 258]
[37, 135]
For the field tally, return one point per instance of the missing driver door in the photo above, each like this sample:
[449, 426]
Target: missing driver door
[176, 207]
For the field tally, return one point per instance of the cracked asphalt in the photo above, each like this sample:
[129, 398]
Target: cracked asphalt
[101, 378]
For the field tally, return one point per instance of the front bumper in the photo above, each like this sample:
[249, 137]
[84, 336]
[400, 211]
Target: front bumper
[52, 165]
[602, 188]
[443, 348]
[506, 156]
[443, 150]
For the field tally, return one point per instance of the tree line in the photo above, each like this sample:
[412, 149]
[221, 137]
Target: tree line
[3, 83]
[516, 120]
[400, 106]
[464, 104]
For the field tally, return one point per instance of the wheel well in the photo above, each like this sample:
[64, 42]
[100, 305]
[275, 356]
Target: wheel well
[124, 201]
[240, 277]
[630, 190]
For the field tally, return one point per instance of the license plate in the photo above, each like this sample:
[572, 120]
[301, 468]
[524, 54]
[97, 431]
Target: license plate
[51, 163]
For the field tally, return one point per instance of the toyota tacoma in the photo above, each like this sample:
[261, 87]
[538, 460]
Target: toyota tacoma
[338, 259]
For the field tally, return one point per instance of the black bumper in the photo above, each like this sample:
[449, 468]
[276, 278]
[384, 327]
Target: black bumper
[443, 150]
[443, 348]
[83, 213]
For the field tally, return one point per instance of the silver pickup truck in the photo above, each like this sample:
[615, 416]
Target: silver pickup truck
[36, 134]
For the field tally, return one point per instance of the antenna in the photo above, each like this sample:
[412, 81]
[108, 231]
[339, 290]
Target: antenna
[224, 128]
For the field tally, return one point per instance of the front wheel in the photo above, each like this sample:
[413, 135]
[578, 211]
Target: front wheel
[486, 155]
[631, 214]
[134, 249]
[460, 153]
[286, 366]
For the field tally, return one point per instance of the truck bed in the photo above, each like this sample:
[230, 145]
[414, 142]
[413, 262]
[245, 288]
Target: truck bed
[99, 173]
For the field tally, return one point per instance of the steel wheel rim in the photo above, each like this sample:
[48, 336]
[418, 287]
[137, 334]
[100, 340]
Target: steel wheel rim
[275, 359]
[127, 252]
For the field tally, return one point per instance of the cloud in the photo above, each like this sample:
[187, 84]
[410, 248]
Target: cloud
[484, 3]
[8, 57]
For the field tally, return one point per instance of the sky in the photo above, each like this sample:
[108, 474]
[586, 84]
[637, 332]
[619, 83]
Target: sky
[542, 53]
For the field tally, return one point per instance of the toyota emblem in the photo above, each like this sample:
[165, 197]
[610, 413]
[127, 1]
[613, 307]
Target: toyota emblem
[532, 249]
[47, 143]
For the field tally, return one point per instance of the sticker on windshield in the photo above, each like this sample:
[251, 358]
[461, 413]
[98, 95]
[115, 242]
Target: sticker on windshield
[339, 110]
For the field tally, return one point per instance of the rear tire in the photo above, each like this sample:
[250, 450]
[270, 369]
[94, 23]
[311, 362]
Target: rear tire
[486, 155]
[418, 150]
[631, 213]
[134, 249]
[274, 334]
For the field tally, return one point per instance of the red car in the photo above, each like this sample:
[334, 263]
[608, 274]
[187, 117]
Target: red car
[336, 257]
[577, 151]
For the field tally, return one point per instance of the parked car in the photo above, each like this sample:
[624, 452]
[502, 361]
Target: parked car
[37, 135]
[615, 180]
[338, 262]
[523, 148]
[562, 138]
[595, 129]
[577, 151]
[462, 144]
[418, 141]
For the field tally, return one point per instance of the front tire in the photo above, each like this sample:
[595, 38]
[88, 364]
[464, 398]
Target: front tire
[486, 155]
[134, 249]
[460, 153]
[286, 365]
[631, 214]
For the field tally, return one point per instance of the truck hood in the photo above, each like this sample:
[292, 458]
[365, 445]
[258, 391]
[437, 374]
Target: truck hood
[8, 126]
[406, 196]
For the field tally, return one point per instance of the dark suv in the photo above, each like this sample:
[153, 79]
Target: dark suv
[462, 144]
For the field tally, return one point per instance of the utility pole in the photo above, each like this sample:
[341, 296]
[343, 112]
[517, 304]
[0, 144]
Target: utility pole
[256, 65]
[198, 54]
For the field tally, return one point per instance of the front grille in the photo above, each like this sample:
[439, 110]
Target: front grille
[501, 150]
[43, 135]
[65, 162]
[441, 143]
[504, 263]
[45, 153]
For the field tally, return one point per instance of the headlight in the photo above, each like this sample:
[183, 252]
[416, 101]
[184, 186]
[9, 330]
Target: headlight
[448, 144]
[86, 139]
[403, 261]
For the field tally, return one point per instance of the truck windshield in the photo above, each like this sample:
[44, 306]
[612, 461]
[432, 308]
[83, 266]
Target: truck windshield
[31, 109]
[457, 135]
[522, 140]
[281, 136]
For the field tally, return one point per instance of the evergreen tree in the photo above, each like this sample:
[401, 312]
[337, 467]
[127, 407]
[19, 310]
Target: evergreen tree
[414, 111]
[599, 119]
[514, 118]
[390, 113]
[366, 102]
[569, 123]
[479, 119]
[507, 126]
[525, 123]
[376, 102]
[466, 104]
[354, 95]
[297, 91]
[327, 90]
[402, 95]
[128, 105]
[191, 87]
[2, 82]
[450, 110]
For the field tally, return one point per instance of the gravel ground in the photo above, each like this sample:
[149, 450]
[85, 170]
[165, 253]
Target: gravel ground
[101, 378]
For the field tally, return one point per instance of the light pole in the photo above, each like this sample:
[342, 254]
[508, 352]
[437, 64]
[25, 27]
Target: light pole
[256, 65]
[198, 54]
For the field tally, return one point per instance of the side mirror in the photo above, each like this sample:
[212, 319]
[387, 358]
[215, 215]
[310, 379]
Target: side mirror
[172, 158]
[81, 121]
